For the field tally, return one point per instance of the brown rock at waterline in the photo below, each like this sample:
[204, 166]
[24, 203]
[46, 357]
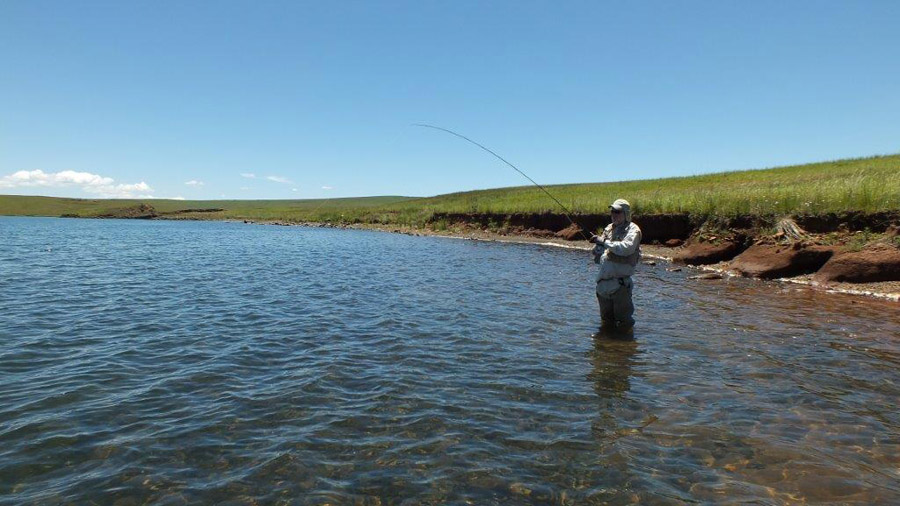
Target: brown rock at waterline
[879, 262]
[571, 233]
[707, 276]
[769, 261]
[703, 253]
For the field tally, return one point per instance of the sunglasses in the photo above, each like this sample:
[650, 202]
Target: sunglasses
[615, 211]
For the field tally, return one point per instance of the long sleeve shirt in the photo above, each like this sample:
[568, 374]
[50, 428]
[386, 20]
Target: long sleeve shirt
[624, 243]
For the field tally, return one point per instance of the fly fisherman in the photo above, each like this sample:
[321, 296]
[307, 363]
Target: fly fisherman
[618, 251]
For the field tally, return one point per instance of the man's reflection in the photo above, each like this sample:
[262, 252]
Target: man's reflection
[612, 358]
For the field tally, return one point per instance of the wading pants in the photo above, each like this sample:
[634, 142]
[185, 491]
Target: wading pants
[616, 308]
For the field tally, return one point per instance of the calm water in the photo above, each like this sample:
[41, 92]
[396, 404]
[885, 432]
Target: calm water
[183, 362]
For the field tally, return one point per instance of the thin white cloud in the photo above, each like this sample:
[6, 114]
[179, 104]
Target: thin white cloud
[248, 175]
[93, 184]
[328, 187]
[245, 188]
[293, 189]
[279, 179]
[194, 182]
[41, 178]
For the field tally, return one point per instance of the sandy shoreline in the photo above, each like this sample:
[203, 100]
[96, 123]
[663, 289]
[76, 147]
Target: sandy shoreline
[885, 291]
[889, 291]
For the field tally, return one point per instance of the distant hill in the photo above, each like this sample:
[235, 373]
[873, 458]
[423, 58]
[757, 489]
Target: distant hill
[866, 185]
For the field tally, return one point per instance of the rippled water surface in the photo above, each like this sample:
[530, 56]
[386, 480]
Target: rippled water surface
[185, 362]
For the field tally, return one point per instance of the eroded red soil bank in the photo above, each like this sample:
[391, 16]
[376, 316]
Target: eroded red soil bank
[849, 247]
[655, 227]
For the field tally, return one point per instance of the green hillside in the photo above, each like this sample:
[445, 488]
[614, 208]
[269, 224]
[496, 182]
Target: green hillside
[287, 210]
[863, 184]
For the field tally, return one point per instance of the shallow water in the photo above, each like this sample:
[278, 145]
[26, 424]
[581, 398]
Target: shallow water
[186, 362]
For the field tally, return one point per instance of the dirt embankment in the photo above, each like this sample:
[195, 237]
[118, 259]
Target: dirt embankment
[831, 249]
[665, 227]
[138, 212]
[655, 228]
[191, 211]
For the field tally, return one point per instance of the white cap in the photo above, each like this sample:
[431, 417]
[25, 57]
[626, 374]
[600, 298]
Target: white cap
[624, 206]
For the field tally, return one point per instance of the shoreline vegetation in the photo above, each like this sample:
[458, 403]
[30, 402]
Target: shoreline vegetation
[831, 224]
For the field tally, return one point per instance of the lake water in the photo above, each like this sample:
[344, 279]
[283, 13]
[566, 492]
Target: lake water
[188, 362]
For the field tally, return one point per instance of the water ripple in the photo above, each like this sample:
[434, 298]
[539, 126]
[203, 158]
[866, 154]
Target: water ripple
[182, 362]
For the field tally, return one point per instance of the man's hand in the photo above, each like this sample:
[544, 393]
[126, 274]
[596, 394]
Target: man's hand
[600, 239]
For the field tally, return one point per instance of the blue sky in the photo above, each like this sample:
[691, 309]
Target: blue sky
[303, 99]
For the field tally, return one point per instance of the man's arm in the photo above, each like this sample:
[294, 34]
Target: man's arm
[628, 245]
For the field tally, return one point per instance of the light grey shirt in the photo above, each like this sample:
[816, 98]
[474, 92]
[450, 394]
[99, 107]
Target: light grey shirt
[623, 241]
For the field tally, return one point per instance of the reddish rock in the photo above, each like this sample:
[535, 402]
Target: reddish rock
[877, 263]
[707, 253]
[779, 261]
[707, 275]
[571, 233]
[674, 243]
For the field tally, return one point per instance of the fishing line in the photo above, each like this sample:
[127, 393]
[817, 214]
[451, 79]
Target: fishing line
[463, 137]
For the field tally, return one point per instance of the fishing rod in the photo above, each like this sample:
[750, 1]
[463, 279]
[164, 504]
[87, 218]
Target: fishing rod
[463, 137]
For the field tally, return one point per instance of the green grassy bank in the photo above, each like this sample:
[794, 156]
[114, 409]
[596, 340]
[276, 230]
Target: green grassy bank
[274, 210]
[863, 184]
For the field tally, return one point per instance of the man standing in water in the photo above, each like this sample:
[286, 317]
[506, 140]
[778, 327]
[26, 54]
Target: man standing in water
[618, 251]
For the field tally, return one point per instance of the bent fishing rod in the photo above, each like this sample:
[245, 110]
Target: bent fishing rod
[463, 137]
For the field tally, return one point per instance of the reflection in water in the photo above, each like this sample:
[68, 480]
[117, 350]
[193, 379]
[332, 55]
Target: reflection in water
[612, 357]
